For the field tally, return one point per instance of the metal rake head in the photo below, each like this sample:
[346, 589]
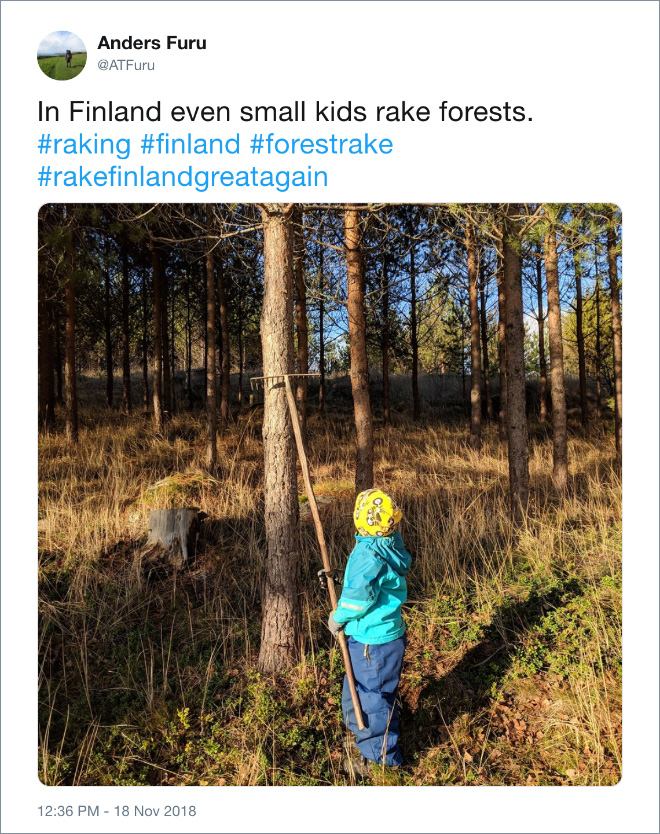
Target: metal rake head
[255, 381]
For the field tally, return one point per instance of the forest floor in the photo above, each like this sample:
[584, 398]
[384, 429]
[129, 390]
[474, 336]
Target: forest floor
[512, 673]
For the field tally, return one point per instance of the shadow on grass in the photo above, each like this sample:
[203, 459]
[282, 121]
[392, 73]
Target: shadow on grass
[470, 685]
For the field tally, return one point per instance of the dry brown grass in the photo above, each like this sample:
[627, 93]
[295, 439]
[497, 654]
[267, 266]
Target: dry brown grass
[513, 669]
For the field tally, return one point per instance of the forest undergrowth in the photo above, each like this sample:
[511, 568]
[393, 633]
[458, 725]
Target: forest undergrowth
[512, 673]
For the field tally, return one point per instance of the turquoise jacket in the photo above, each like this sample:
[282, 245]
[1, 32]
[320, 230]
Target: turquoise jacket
[374, 589]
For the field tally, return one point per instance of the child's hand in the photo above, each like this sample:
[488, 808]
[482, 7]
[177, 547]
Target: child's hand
[334, 626]
[337, 577]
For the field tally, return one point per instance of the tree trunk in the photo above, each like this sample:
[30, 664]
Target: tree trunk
[364, 470]
[302, 336]
[145, 343]
[515, 370]
[46, 364]
[414, 340]
[582, 363]
[173, 536]
[241, 358]
[225, 358]
[321, 327]
[484, 347]
[168, 403]
[173, 351]
[385, 345]
[501, 347]
[211, 373]
[475, 346]
[58, 353]
[280, 631]
[543, 367]
[188, 344]
[557, 392]
[156, 267]
[127, 398]
[598, 361]
[70, 388]
[107, 317]
[617, 345]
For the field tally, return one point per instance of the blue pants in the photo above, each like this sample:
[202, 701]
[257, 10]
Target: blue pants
[376, 669]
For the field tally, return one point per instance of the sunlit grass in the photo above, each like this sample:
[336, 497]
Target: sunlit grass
[512, 675]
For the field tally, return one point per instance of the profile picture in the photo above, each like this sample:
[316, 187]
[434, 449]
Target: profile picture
[62, 55]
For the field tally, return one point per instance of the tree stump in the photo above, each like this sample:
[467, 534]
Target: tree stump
[173, 536]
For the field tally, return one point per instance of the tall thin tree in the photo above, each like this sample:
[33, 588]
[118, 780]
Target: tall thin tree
[414, 336]
[357, 336]
[70, 382]
[211, 371]
[156, 282]
[579, 332]
[557, 387]
[515, 366]
[501, 342]
[475, 346]
[127, 397]
[302, 335]
[617, 349]
[484, 343]
[280, 629]
[107, 320]
[543, 366]
[225, 357]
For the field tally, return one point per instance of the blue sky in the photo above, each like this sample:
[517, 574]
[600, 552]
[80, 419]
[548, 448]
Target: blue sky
[58, 42]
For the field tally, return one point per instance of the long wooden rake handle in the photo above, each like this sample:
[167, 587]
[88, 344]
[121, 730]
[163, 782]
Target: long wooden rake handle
[320, 535]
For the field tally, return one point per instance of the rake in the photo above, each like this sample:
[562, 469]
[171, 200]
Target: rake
[277, 381]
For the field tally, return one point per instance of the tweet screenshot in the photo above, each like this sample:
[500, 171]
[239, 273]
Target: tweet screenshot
[318, 321]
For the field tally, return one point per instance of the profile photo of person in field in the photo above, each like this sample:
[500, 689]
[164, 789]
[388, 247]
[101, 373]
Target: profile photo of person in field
[61, 55]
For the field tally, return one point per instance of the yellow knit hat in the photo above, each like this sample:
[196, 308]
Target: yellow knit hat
[375, 513]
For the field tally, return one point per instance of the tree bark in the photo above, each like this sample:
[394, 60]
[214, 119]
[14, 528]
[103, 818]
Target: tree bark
[617, 344]
[127, 397]
[364, 470]
[475, 346]
[172, 538]
[156, 267]
[46, 364]
[173, 350]
[321, 326]
[385, 344]
[515, 369]
[241, 358]
[598, 361]
[543, 367]
[302, 335]
[188, 344]
[582, 363]
[211, 372]
[58, 353]
[70, 387]
[281, 618]
[414, 340]
[501, 347]
[484, 347]
[225, 358]
[145, 343]
[168, 402]
[107, 318]
[557, 391]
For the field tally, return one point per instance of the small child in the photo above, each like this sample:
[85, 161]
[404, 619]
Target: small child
[370, 611]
